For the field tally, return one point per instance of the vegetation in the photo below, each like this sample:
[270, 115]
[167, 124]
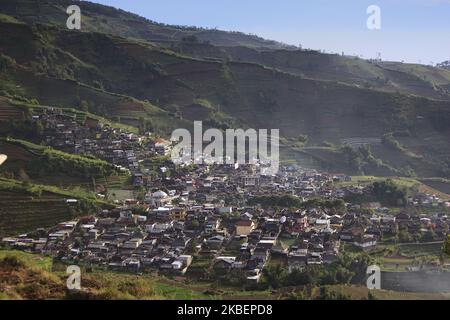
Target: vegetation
[391, 142]
[287, 201]
[27, 276]
[29, 130]
[26, 206]
[348, 269]
[447, 245]
[47, 161]
[336, 205]
[276, 201]
[390, 194]
[21, 272]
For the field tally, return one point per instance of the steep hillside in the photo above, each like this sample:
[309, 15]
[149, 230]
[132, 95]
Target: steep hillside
[99, 18]
[28, 161]
[53, 77]
[332, 100]
[385, 76]
[238, 47]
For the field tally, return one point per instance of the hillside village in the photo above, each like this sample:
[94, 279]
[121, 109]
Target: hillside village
[230, 216]
[90, 94]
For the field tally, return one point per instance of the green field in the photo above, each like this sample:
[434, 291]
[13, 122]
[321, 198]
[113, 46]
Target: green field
[399, 257]
[420, 249]
[25, 207]
[120, 194]
[37, 261]
[417, 184]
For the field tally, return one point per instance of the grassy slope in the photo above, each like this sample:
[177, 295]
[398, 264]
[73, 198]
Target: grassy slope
[17, 283]
[401, 181]
[46, 165]
[100, 284]
[238, 89]
[106, 19]
[240, 47]
[385, 76]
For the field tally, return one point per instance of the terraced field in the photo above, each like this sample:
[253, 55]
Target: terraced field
[14, 152]
[8, 112]
[116, 181]
[21, 213]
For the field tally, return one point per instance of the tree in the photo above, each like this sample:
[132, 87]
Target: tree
[84, 106]
[447, 245]
[190, 39]
[235, 278]
[388, 193]
[23, 175]
[428, 236]
[38, 128]
[303, 139]
[404, 236]
[274, 276]
[352, 157]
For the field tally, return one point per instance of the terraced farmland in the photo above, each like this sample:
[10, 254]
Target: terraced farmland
[116, 181]
[8, 112]
[21, 213]
[15, 152]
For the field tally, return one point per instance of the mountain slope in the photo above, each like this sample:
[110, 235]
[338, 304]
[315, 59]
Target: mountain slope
[384, 76]
[100, 18]
[411, 79]
[304, 93]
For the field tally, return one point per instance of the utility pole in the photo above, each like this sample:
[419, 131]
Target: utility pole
[379, 56]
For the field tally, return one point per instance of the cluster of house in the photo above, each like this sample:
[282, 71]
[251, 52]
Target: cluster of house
[171, 228]
[167, 238]
[364, 231]
[116, 239]
[203, 210]
[428, 200]
[64, 131]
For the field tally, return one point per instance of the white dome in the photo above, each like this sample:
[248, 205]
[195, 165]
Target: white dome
[159, 194]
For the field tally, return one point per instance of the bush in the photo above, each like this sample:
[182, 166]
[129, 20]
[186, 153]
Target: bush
[390, 194]
[285, 201]
[9, 263]
[447, 245]
[348, 269]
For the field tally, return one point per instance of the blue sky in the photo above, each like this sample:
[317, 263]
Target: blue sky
[412, 30]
